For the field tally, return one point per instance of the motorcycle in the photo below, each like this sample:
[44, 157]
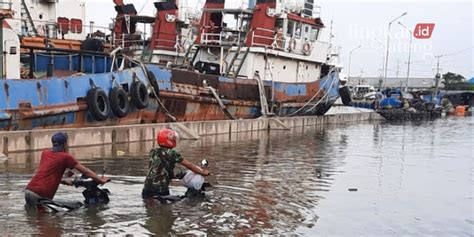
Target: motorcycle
[195, 184]
[93, 195]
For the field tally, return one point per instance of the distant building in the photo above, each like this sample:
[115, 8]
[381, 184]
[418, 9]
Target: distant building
[413, 83]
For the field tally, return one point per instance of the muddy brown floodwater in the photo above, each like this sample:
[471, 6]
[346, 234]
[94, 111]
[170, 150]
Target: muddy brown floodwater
[374, 179]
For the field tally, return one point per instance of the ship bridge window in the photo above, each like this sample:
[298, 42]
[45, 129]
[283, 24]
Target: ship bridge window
[291, 25]
[314, 33]
[306, 32]
[279, 23]
[215, 20]
[298, 30]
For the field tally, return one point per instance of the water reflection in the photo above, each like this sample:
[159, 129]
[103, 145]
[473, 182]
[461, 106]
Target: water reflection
[278, 182]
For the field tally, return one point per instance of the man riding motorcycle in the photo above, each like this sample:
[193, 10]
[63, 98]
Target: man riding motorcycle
[162, 162]
[53, 164]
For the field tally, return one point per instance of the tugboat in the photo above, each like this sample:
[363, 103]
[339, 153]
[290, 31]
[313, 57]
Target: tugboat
[272, 63]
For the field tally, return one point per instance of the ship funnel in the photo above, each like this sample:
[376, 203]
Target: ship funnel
[308, 8]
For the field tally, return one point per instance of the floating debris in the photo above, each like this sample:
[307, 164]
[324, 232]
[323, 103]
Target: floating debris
[3, 157]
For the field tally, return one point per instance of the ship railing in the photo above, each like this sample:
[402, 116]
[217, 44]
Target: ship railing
[178, 44]
[167, 44]
[227, 37]
[132, 44]
[52, 29]
[260, 35]
[6, 5]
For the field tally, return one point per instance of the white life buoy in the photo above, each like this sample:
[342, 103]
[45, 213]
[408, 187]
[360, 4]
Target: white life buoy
[40, 30]
[180, 48]
[306, 48]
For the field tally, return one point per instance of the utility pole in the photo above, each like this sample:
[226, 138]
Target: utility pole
[398, 66]
[388, 46]
[437, 77]
[350, 57]
[409, 55]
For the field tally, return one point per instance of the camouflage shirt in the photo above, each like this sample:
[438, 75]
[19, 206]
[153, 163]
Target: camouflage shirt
[162, 162]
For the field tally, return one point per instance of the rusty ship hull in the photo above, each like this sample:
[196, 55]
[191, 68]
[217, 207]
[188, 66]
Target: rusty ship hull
[61, 101]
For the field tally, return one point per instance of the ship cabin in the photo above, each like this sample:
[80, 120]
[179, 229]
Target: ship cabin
[273, 39]
[169, 38]
[45, 38]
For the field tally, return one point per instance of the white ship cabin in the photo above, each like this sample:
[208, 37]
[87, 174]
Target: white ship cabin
[35, 20]
[274, 39]
[55, 19]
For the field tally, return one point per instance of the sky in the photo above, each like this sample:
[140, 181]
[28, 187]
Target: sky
[365, 23]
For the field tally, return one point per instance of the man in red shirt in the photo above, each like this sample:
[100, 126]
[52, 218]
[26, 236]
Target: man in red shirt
[52, 166]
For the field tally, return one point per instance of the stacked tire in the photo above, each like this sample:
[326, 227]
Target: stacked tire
[118, 101]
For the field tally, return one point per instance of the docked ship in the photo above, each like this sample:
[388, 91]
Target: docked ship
[264, 60]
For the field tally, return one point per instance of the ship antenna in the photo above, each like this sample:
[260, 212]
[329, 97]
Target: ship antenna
[331, 36]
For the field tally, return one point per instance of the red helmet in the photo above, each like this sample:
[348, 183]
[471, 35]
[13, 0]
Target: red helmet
[167, 138]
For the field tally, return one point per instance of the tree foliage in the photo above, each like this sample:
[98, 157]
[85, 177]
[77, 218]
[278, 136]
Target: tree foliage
[453, 81]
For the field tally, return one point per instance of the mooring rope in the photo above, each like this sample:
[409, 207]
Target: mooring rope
[145, 72]
[310, 100]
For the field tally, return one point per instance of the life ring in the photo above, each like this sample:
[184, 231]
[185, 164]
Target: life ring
[180, 48]
[40, 30]
[98, 103]
[139, 95]
[119, 103]
[292, 44]
[306, 48]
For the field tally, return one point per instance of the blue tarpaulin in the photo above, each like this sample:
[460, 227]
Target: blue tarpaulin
[390, 102]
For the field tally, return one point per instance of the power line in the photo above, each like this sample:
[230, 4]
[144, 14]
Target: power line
[456, 53]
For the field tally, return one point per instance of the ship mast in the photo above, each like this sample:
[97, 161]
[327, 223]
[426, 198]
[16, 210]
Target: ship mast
[5, 13]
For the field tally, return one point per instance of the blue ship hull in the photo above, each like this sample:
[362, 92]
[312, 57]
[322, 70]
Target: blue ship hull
[61, 101]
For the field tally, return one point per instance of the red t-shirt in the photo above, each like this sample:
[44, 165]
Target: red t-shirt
[52, 166]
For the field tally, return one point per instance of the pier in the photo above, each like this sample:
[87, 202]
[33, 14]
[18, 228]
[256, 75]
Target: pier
[33, 140]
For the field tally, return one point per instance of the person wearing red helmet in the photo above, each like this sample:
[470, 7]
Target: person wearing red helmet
[162, 162]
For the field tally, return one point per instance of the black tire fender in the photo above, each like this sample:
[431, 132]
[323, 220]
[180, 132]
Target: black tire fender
[119, 103]
[98, 104]
[139, 95]
[153, 82]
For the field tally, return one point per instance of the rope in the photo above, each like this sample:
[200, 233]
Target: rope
[219, 101]
[320, 100]
[309, 101]
[143, 67]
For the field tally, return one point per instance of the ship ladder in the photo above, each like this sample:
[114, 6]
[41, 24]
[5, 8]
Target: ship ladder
[237, 62]
[190, 55]
[219, 101]
[263, 98]
[147, 54]
[29, 24]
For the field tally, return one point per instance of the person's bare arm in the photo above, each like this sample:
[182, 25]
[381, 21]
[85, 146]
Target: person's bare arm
[194, 168]
[89, 173]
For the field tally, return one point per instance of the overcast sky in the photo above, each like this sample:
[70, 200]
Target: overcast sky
[365, 23]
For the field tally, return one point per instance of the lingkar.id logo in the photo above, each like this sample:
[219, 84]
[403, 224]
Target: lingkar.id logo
[423, 30]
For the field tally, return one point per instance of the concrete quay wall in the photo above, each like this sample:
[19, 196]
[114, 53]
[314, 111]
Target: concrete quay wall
[32, 140]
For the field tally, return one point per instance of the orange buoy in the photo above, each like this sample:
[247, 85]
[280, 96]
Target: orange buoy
[460, 110]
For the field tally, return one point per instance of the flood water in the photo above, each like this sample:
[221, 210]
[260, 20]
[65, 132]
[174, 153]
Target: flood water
[375, 179]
